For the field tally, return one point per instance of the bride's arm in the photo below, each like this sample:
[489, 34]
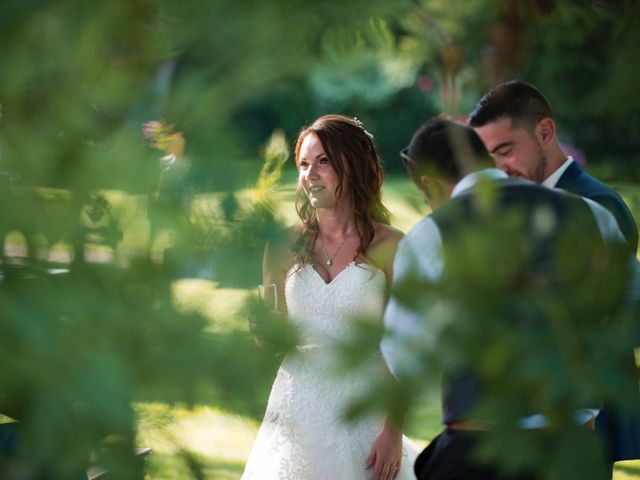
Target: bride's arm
[383, 250]
[274, 269]
[386, 452]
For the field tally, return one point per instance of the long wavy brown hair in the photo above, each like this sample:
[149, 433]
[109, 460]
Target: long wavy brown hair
[353, 155]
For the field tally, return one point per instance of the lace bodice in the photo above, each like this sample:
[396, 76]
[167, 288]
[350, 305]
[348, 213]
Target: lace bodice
[325, 312]
[304, 435]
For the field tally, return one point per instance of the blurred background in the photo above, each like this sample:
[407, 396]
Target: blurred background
[145, 157]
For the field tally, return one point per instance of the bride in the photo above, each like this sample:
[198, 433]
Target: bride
[337, 266]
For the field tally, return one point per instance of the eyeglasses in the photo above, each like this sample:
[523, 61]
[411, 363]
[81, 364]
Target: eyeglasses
[408, 162]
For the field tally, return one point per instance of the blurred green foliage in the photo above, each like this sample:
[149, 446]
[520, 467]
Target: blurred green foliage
[97, 226]
[436, 56]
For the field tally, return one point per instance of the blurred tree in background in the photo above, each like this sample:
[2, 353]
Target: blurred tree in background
[435, 56]
[579, 53]
[96, 225]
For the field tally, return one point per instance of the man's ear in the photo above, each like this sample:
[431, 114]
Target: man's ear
[546, 130]
[436, 191]
[424, 183]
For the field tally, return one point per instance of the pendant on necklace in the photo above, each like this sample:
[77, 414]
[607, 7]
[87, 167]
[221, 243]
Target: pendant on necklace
[328, 262]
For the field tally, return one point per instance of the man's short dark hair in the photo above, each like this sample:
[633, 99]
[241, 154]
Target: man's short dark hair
[523, 103]
[446, 149]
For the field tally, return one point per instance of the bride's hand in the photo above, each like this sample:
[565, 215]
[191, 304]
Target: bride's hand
[258, 331]
[272, 332]
[386, 454]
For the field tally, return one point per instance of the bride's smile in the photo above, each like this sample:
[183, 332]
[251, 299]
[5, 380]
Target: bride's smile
[317, 176]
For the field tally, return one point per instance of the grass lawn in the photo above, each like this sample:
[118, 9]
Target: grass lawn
[221, 440]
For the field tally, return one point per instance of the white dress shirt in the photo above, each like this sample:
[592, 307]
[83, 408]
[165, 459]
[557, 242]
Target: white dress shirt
[552, 180]
[419, 253]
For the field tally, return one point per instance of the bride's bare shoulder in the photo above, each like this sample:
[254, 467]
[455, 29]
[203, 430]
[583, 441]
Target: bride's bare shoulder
[387, 235]
[383, 247]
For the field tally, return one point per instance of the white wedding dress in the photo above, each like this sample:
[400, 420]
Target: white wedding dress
[303, 435]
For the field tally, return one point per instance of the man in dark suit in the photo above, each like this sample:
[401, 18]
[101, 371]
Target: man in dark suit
[515, 122]
[482, 277]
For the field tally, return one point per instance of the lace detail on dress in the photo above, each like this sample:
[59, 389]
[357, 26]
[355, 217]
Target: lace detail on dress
[303, 435]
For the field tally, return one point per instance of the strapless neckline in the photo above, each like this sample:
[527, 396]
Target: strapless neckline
[350, 265]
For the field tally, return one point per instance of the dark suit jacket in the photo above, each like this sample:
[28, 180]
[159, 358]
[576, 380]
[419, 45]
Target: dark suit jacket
[621, 433]
[576, 181]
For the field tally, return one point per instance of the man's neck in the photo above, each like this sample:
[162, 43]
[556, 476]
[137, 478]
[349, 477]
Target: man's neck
[471, 179]
[555, 159]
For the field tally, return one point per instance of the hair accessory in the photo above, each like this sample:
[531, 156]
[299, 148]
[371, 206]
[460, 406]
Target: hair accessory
[359, 123]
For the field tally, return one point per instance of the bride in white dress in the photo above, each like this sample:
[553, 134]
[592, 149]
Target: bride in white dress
[336, 267]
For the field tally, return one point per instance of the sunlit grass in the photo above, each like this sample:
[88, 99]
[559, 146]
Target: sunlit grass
[219, 305]
[218, 440]
[627, 470]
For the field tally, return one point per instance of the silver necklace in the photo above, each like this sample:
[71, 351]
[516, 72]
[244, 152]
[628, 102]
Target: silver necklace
[329, 260]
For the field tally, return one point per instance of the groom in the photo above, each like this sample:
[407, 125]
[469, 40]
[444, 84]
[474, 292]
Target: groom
[515, 121]
[490, 260]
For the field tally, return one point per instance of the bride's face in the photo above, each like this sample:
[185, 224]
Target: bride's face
[317, 176]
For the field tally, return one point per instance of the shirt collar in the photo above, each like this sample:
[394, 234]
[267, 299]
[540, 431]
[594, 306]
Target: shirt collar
[473, 178]
[552, 179]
